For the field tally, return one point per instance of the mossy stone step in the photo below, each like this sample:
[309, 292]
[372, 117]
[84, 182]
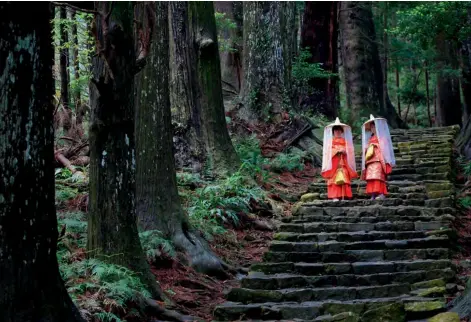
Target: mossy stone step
[358, 255]
[313, 209]
[406, 201]
[306, 311]
[349, 236]
[335, 246]
[257, 280]
[351, 268]
[362, 219]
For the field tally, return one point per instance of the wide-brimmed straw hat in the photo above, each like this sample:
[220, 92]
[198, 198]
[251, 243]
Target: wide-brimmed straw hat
[337, 123]
[367, 124]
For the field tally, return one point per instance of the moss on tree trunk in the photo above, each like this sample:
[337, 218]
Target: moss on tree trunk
[361, 65]
[30, 283]
[112, 228]
[268, 48]
[158, 202]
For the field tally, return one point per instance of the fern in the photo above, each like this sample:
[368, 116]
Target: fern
[107, 317]
[154, 244]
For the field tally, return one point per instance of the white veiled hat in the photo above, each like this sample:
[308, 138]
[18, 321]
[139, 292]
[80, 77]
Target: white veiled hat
[337, 123]
[367, 124]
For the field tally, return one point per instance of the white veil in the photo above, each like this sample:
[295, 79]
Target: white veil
[384, 139]
[327, 146]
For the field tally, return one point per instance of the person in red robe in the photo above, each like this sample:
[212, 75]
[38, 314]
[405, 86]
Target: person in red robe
[378, 157]
[338, 148]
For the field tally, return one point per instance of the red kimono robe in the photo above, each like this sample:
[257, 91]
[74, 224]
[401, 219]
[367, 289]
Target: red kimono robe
[376, 170]
[339, 159]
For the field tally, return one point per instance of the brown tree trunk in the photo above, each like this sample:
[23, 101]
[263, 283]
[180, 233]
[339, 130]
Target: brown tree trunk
[158, 202]
[75, 60]
[448, 87]
[112, 228]
[267, 58]
[428, 94]
[362, 67]
[466, 77]
[64, 71]
[231, 60]
[385, 54]
[31, 285]
[319, 34]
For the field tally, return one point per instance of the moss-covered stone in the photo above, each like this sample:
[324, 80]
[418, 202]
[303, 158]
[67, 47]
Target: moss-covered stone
[341, 317]
[431, 292]
[428, 284]
[251, 296]
[388, 313]
[285, 236]
[310, 197]
[336, 308]
[428, 306]
[445, 317]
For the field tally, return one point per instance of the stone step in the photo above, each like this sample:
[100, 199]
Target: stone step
[306, 311]
[393, 185]
[358, 255]
[360, 219]
[261, 281]
[389, 201]
[357, 268]
[339, 293]
[349, 236]
[335, 246]
[312, 209]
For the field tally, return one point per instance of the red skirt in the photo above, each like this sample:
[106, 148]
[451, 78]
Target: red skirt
[337, 192]
[377, 187]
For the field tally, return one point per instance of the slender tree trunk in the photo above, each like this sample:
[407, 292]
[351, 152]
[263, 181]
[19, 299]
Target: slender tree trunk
[319, 35]
[158, 202]
[112, 229]
[231, 60]
[398, 96]
[385, 54]
[267, 58]
[362, 66]
[221, 157]
[428, 94]
[64, 71]
[466, 78]
[448, 88]
[79, 111]
[31, 286]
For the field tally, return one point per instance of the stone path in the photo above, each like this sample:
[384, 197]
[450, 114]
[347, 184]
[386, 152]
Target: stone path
[361, 259]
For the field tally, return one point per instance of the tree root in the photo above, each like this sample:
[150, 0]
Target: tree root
[152, 307]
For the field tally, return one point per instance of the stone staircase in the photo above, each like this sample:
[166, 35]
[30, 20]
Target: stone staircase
[361, 259]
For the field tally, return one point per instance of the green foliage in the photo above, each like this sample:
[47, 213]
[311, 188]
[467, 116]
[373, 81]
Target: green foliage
[225, 28]
[303, 70]
[289, 161]
[155, 245]
[253, 162]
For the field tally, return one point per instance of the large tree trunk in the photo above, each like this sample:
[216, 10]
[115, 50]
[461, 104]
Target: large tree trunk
[64, 71]
[30, 283]
[221, 157]
[465, 60]
[158, 202]
[112, 223]
[448, 87]
[319, 34]
[362, 67]
[231, 60]
[267, 57]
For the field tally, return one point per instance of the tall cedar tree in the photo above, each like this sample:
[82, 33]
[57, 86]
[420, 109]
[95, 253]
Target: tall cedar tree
[64, 70]
[362, 66]
[269, 44]
[196, 87]
[158, 202]
[32, 288]
[319, 34]
[112, 223]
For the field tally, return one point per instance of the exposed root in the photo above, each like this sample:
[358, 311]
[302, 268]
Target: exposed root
[155, 309]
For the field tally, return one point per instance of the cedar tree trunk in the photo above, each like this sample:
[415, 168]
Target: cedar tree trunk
[221, 157]
[31, 286]
[267, 57]
[319, 34]
[158, 203]
[64, 71]
[112, 222]
[362, 66]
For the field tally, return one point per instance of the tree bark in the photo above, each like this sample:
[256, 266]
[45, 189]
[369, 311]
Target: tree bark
[385, 54]
[112, 228]
[231, 61]
[221, 157]
[75, 60]
[319, 34]
[448, 87]
[31, 285]
[267, 58]
[158, 203]
[64, 70]
[428, 94]
[362, 67]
